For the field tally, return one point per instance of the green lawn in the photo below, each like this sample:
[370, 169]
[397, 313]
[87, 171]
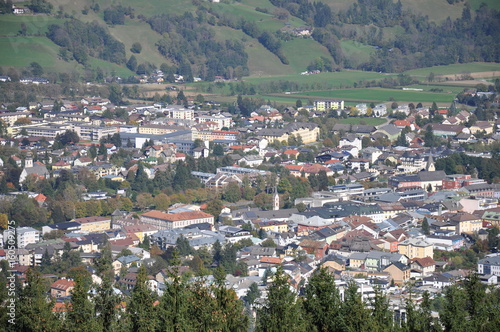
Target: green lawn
[21, 51]
[473, 67]
[366, 121]
[475, 4]
[10, 25]
[335, 79]
[301, 52]
[138, 31]
[356, 52]
[383, 95]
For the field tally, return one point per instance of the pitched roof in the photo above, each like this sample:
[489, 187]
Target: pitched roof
[63, 284]
[188, 215]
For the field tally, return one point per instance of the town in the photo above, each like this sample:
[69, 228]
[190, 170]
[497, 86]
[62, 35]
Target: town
[406, 207]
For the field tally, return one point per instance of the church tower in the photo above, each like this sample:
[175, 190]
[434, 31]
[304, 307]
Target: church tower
[430, 167]
[276, 200]
[28, 162]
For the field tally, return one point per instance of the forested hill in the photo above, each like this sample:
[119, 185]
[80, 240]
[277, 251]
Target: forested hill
[239, 38]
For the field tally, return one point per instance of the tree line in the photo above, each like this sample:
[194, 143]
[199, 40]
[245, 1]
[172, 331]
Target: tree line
[196, 306]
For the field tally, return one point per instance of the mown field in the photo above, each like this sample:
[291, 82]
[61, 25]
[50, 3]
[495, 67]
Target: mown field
[456, 69]
[383, 95]
[336, 79]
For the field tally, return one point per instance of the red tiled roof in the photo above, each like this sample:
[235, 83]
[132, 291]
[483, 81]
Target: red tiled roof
[63, 284]
[270, 260]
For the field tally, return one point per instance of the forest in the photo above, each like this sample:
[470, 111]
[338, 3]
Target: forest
[82, 40]
[202, 306]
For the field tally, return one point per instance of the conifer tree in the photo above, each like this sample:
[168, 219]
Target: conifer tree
[34, 309]
[80, 312]
[230, 308]
[323, 303]
[140, 309]
[355, 313]
[105, 300]
[173, 311]
[281, 312]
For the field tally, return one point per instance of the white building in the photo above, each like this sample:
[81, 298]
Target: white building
[25, 236]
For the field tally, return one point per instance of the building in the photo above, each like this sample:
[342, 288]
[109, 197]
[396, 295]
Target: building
[94, 224]
[416, 248]
[62, 288]
[489, 265]
[25, 236]
[176, 220]
[326, 105]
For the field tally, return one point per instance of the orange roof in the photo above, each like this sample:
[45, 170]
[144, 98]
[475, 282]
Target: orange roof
[61, 163]
[188, 215]
[61, 307]
[296, 168]
[292, 152]
[315, 168]
[40, 197]
[270, 260]
[179, 154]
[63, 284]
[333, 161]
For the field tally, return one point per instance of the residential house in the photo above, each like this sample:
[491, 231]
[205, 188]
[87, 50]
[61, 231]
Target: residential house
[399, 272]
[62, 288]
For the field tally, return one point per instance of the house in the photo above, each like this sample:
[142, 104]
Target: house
[489, 265]
[62, 288]
[399, 272]
[437, 281]
[425, 266]
[316, 248]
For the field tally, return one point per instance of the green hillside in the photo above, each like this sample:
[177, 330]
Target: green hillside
[225, 20]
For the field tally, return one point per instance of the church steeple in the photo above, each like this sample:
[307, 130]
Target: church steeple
[276, 200]
[430, 164]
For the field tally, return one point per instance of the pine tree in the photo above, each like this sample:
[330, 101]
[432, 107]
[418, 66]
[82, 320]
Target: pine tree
[425, 226]
[232, 317]
[105, 300]
[34, 309]
[323, 303]
[80, 312]
[140, 310]
[355, 313]
[173, 311]
[281, 312]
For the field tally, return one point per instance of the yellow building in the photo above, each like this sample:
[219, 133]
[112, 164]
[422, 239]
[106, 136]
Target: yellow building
[325, 105]
[308, 132]
[273, 226]
[416, 248]
[94, 224]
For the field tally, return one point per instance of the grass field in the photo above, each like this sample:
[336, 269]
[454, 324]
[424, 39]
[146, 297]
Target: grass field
[474, 67]
[366, 121]
[138, 31]
[336, 79]
[21, 51]
[357, 53]
[10, 25]
[383, 95]
[475, 4]
[301, 52]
